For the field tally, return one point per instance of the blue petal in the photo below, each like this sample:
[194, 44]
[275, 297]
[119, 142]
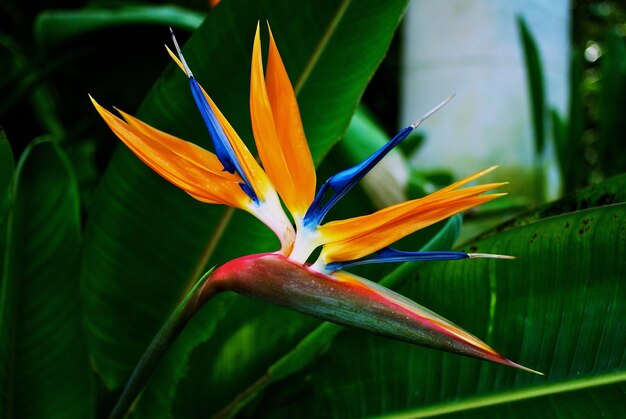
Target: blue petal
[345, 180]
[392, 255]
[223, 149]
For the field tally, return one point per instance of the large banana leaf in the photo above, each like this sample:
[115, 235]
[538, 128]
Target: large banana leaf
[557, 308]
[44, 366]
[147, 242]
[611, 191]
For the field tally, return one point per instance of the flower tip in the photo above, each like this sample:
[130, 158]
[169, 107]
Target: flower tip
[422, 118]
[95, 104]
[489, 256]
[123, 114]
[98, 107]
[182, 63]
[523, 368]
[490, 169]
[256, 44]
[175, 58]
[271, 35]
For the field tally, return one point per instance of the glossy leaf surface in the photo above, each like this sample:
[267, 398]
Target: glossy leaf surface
[44, 366]
[7, 168]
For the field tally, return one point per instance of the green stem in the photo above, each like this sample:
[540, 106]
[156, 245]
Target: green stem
[201, 292]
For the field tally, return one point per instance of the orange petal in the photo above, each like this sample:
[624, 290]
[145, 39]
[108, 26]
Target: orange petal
[468, 179]
[193, 154]
[267, 139]
[187, 166]
[288, 123]
[342, 229]
[360, 236]
[356, 247]
[176, 59]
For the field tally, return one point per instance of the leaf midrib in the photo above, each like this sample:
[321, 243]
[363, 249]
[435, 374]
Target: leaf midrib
[510, 396]
[321, 46]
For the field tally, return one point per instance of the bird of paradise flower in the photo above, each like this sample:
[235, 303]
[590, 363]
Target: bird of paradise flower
[233, 177]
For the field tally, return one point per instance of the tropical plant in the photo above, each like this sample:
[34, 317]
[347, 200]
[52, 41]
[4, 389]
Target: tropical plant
[100, 254]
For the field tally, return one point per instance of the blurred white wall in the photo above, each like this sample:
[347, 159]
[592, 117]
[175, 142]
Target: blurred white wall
[472, 48]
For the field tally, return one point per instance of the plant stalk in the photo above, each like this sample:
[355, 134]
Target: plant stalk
[195, 299]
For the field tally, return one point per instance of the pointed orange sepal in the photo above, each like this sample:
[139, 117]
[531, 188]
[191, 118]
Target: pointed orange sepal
[280, 139]
[184, 164]
[360, 236]
[293, 143]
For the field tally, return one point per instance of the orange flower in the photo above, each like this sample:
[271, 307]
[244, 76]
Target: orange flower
[233, 177]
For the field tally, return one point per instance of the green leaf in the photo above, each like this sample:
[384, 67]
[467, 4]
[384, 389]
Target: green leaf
[44, 367]
[7, 168]
[363, 137]
[568, 134]
[160, 391]
[611, 191]
[165, 342]
[559, 133]
[557, 308]
[147, 241]
[53, 27]
[534, 75]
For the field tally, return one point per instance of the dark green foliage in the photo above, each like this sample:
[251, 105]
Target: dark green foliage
[611, 102]
[97, 251]
[534, 76]
[44, 368]
[7, 167]
[588, 140]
